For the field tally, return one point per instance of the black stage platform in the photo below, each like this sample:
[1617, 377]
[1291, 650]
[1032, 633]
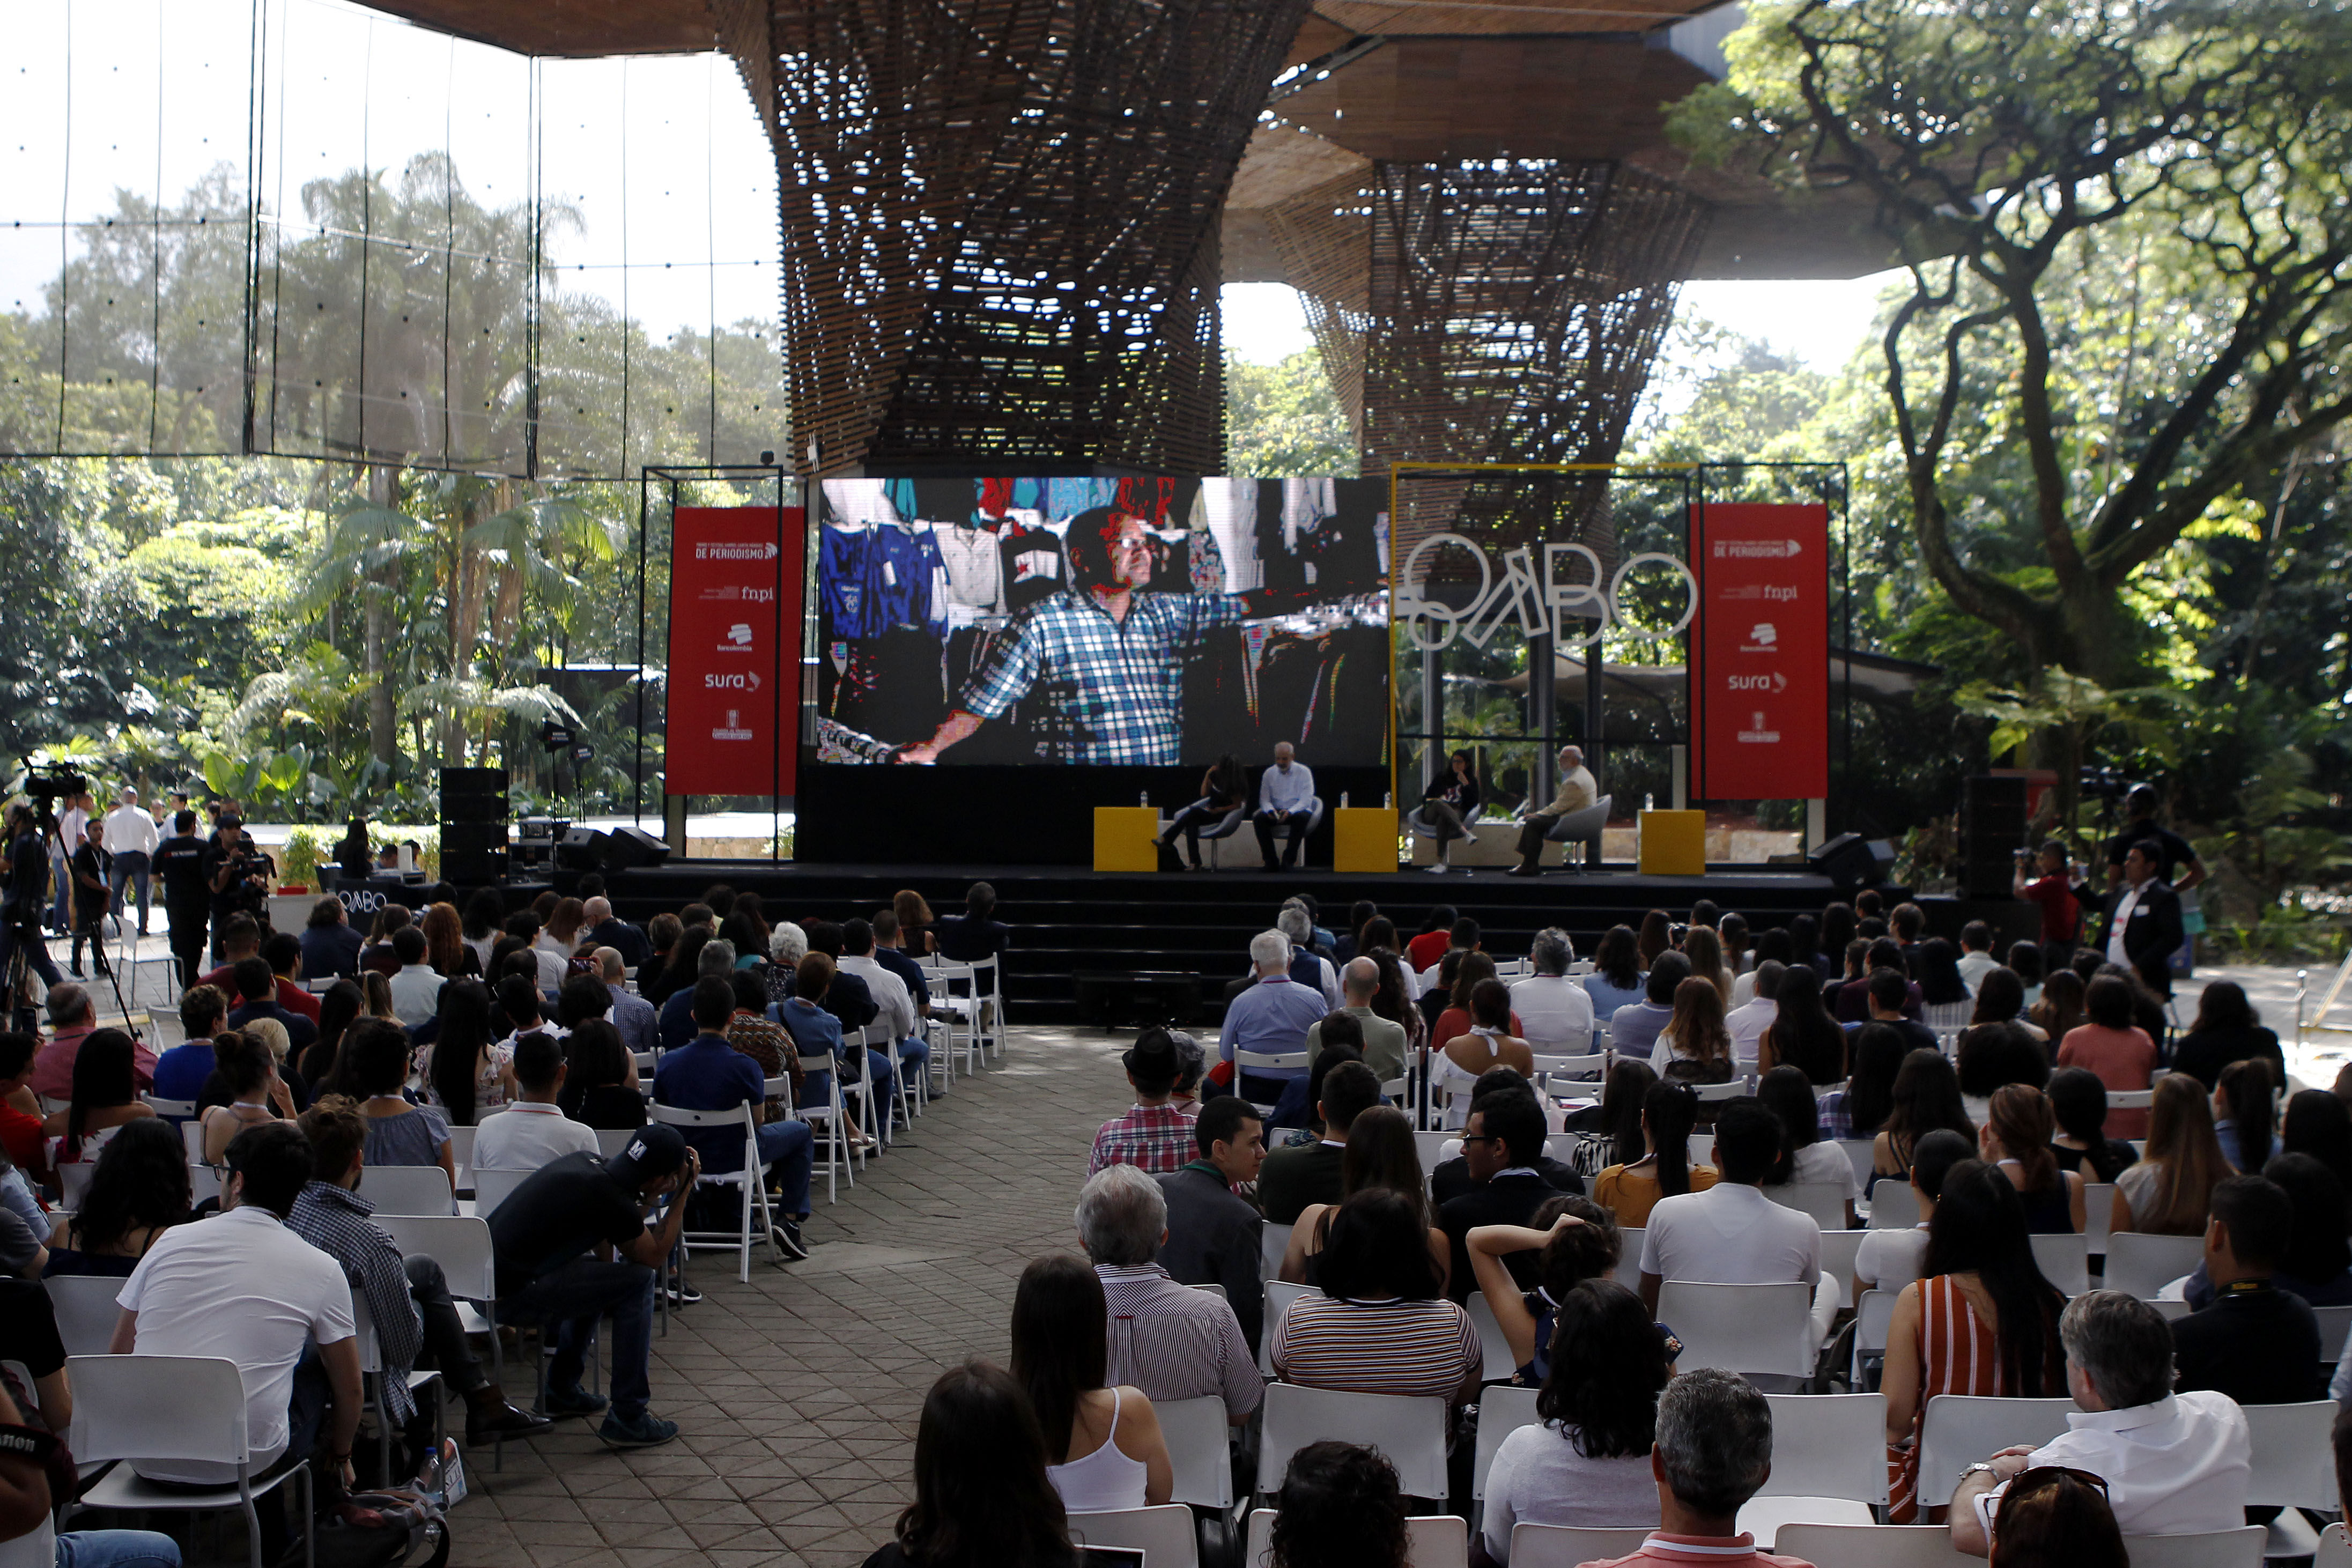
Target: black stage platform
[1069, 924]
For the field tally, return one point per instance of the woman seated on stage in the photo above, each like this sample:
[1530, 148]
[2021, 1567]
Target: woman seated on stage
[1223, 789]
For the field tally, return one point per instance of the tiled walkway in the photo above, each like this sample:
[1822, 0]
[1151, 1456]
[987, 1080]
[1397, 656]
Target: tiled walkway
[798, 1393]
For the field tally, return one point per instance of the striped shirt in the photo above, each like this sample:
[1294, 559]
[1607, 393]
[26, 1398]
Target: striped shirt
[1376, 1347]
[1176, 1343]
[336, 1220]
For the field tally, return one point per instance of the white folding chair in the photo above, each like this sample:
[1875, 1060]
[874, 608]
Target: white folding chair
[178, 1110]
[1265, 1063]
[611, 1140]
[1894, 1205]
[1501, 1412]
[1867, 1545]
[1711, 1092]
[1874, 1315]
[959, 1008]
[2334, 1323]
[1859, 1153]
[748, 1181]
[461, 1245]
[1498, 1365]
[492, 1188]
[2139, 1264]
[2239, 1548]
[1569, 1546]
[1278, 1298]
[1556, 1072]
[2294, 1467]
[1747, 1329]
[1961, 1428]
[1839, 1250]
[2130, 1099]
[1823, 1202]
[160, 1408]
[192, 1138]
[2098, 1214]
[2335, 1548]
[1828, 1446]
[461, 1150]
[372, 1372]
[1411, 1432]
[73, 1183]
[1163, 1534]
[827, 1123]
[1431, 1147]
[1199, 1443]
[1431, 1541]
[406, 1189]
[2065, 1260]
[1273, 1240]
[85, 1311]
[1628, 1271]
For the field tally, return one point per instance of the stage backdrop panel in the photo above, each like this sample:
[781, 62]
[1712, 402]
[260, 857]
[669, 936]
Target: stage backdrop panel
[1760, 652]
[959, 621]
[734, 650]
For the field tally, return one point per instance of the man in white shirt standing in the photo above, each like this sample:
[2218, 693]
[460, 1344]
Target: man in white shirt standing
[130, 836]
[244, 1288]
[1285, 798]
[890, 994]
[1749, 1021]
[72, 821]
[1555, 1014]
[2174, 1464]
[531, 1131]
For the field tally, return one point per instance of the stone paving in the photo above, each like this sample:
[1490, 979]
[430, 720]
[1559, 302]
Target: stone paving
[798, 1394]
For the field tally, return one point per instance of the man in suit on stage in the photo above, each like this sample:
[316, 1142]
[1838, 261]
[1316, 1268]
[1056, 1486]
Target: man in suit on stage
[2143, 925]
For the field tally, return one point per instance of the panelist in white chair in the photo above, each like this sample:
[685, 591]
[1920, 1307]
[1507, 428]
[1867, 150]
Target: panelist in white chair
[1285, 800]
[1577, 791]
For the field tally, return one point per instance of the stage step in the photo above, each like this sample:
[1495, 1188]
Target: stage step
[1071, 922]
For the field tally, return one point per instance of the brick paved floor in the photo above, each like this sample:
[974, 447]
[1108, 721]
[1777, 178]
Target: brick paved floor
[797, 1395]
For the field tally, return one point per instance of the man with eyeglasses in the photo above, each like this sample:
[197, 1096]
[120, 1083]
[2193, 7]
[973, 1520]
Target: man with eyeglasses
[2171, 1464]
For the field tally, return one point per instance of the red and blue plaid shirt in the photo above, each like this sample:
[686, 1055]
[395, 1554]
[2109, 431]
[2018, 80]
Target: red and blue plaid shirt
[1155, 1139]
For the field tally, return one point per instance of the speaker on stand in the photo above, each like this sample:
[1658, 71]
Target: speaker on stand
[474, 825]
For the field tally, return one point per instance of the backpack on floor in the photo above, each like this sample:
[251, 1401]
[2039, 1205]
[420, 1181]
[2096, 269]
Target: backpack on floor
[397, 1527]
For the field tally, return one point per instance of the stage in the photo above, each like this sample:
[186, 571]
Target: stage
[1071, 924]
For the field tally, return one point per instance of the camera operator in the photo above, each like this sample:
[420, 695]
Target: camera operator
[24, 901]
[2141, 827]
[180, 861]
[237, 875]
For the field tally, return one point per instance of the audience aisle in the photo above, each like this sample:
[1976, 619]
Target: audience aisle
[796, 1396]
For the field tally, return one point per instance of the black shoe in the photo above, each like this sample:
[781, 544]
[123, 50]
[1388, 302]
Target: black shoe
[503, 1421]
[1525, 871]
[647, 1431]
[786, 1235]
[681, 1295]
[572, 1401]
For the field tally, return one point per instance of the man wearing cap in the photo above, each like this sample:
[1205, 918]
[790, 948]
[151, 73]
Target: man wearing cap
[543, 1235]
[1153, 1135]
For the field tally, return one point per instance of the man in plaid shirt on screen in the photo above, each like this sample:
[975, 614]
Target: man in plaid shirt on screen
[1105, 661]
[1153, 1135]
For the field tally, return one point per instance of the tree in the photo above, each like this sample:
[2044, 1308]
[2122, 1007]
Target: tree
[1284, 421]
[2168, 179]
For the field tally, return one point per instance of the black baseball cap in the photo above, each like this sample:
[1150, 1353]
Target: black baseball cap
[657, 1149]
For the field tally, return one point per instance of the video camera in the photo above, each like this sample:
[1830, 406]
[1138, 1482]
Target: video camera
[46, 786]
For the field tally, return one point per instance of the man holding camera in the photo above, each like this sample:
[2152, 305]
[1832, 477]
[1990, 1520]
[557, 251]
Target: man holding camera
[235, 874]
[23, 903]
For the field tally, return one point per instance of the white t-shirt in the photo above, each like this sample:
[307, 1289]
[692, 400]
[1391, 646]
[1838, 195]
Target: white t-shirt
[415, 993]
[1890, 1259]
[129, 830]
[1974, 967]
[2178, 1467]
[1748, 1025]
[242, 1287]
[898, 1008]
[1827, 1163]
[1554, 1014]
[1731, 1233]
[527, 1135]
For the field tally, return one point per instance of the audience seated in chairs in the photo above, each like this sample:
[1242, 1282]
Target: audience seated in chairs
[1888, 1258]
[1152, 1135]
[1213, 1236]
[598, 1076]
[1633, 1028]
[138, 1192]
[258, 1095]
[1694, 1045]
[2174, 1464]
[1748, 1020]
[1450, 1178]
[257, 997]
[1341, 1506]
[640, 1026]
[707, 1074]
[407, 1298]
[1587, 1462]
[1165, 1338]
[2253, 1341]
[1804, 1158]
[1665, 1170]
[375, 1065]
[2318, 1262]
[1383, 1041]
[1927, 1097]
[1567, 1241]
[816, 1033]
[1295, 1108]
[468, 1071]
[976, 935]
[1271, 1014]
[1381, 1324]
[982, 1497]
[181, 1071]
[104, 1097]
[752, 1033]
[2015, 1139]
[2169, 1191]
[1555, 1011]
[547, 1274]
[894, 1002]
[1713, 1452]
[1379, 1152]
[714, 958]
[245, 1287]
[2056, 1518]
[26, 1497]
[1502, 1151]
[1982, 1321]
[1103, 1444]
[533, 1131]
[20, 1108]
[1731, 1233]
[1303, 1174]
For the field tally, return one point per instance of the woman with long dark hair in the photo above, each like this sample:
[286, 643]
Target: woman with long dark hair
[139, 1190]
[595, 1080]
[338, 1007]
[1657, 936]
[1804, 943]
[1587, 1463]
[1617, 974]
[2061, 1010]
[1450, 801]
[2000, 999]
[2078, 1100]
[2243, 1113]
[678, 974]
[2318, 1262]
[1984, 1322]
[445, 949]
[2318, 1124]
[1860, 1109]
[1804, 1157]
[1630, 1191]
[2227, 1030]
[484, 912]
[467, 1070]
[2025, 963]
[1926, 1096]
[1838, 927]
[1802, 1032]
[1103, 1447]
[1704, 948]
[1942, 990]
[1381, 1152]
[2015, 1142]
[1991, 1055]
[1694, 1046]
[1223, 787]
[1610, 1134]
[1382, 1324]
[104, 1097]
[983, 1499]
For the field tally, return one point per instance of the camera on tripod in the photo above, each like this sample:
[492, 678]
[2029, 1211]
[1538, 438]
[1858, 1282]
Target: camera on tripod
[44, 786]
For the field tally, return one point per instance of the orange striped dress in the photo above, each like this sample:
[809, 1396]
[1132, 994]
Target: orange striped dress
[1957, 1354]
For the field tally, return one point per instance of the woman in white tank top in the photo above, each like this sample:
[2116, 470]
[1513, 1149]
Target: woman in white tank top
[1107, 1438]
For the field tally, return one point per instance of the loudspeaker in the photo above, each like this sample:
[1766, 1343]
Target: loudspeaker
[580, 848]
[474, 854]
[1852, 861]
[1991, 830]
[473, 794]
[627, 847]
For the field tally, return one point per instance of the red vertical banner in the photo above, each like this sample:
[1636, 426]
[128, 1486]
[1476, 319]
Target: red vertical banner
[735, 581]
[1761, 653]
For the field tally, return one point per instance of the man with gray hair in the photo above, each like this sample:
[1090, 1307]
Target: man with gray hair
[632, 1014]
[1713, 1451]
[1272, 1015]
[1168, 1340]
[1554, 1012]
[607, 931]
[1307, 966]
[2174, 1464]
[677, 1016]
[1384, 1040]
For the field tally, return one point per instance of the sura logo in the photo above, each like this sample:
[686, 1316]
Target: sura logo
[710, 552]
[743, 680]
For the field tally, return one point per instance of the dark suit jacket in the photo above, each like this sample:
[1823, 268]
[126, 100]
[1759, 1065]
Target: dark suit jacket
[1213, 1240]
[625, 940]
[1449, 1179]
[2151, 936]
[300, 1033]
[1505, 1200]
[1294, 1177]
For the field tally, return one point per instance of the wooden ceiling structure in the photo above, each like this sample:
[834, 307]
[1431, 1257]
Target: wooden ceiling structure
[1005, 221]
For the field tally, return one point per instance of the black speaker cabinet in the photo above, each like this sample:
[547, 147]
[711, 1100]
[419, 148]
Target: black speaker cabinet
[1852, 861]
[625, 848]
[473, 794]
[579, 849]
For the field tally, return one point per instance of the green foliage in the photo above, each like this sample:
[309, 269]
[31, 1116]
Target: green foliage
[307, 848]
[1284, 421]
